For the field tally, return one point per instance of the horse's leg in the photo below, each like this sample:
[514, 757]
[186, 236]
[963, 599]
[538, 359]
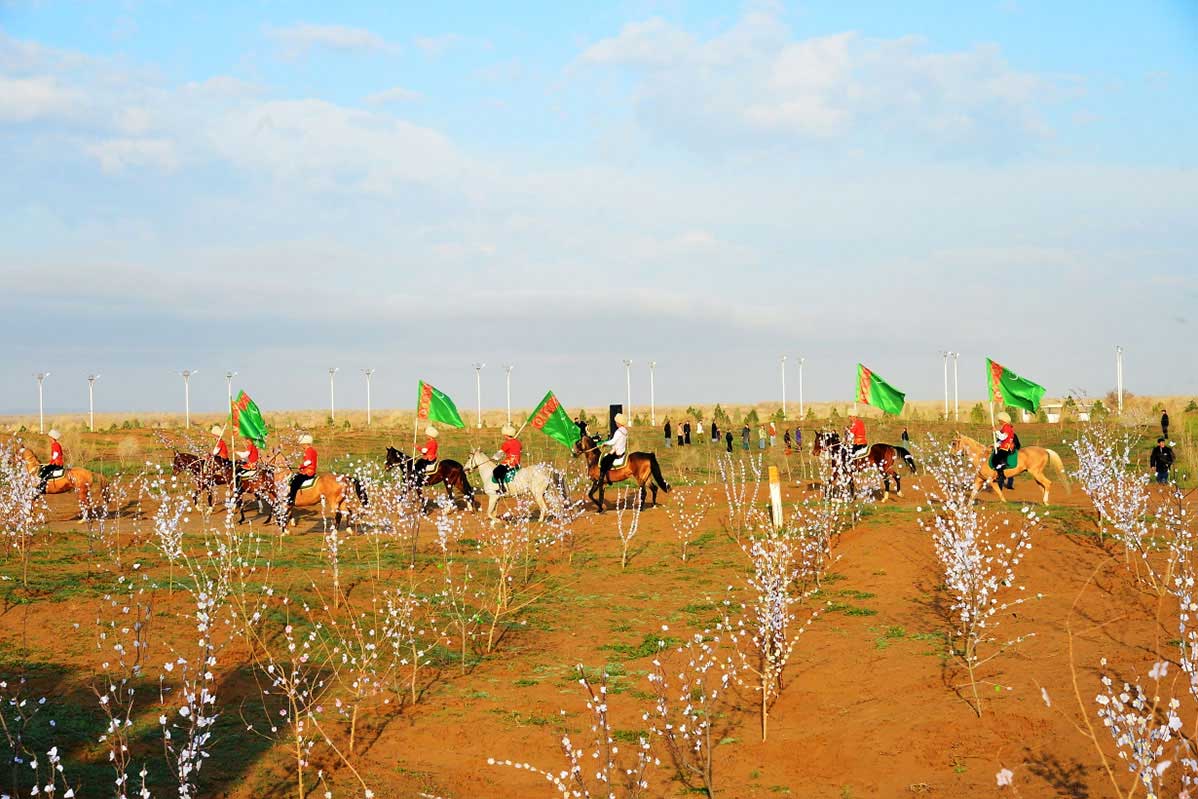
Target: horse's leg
[653, 487]
[898, 485]
[1042, 481]
[492, 501]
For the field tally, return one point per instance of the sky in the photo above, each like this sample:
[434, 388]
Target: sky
[281, 188]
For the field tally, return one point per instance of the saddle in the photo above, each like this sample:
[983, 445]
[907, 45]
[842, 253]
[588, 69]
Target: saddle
[308, 482]
[1012, 458]
[620, 461]
[243, 474]
[507, 477]
[57, 472]
[431, 467]
[861, 453]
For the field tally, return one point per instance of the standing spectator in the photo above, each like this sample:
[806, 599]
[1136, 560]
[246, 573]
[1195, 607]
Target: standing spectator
[715, 431]
[786, 440]
[686, 433]
[744, 437]
[699, 430]
[669, 438]
[728, 440]
[773, 434]
[906, 438]
[798, 438]
[761, 437]
[1161, 460]
[1165, 423]
[581, 421]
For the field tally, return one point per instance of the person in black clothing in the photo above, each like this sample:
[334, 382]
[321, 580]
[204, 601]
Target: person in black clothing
[582, 424]
[728, 440]
[1164, 423]
[1161, 460]
[686, 433]
[715, 431]
[669, 439]
[906, 438]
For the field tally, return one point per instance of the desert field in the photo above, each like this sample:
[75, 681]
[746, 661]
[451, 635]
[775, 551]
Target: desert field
[159, 648]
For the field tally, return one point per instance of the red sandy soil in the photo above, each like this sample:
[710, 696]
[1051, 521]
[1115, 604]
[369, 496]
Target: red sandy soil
[869, 709]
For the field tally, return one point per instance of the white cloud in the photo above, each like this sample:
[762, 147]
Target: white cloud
[300, 39]
[396, 94]
[116, 155]
[436, 45]
[28, 99]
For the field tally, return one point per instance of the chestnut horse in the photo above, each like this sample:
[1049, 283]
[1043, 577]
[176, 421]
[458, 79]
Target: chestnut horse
[448, 471]
[1033, 460]
[638, 466]
[206, 471]
[882, 457]
[84, 482]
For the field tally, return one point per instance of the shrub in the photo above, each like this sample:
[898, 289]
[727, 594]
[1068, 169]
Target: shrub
[977, 414]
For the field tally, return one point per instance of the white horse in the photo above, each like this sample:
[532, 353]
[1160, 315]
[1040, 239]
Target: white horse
[536, 481]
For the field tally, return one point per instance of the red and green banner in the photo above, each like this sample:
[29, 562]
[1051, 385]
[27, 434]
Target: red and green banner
[873, 390]
[1008, 388]
[552, 420]
[248, 419]
[436, 406]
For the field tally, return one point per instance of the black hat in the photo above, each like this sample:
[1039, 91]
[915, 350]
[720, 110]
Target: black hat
[1159, 440]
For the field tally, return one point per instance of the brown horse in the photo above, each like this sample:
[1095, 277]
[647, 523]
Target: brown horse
[883, 457]
[1033, 460]
[638, 466]
[206, 471]
[448, 472]
[86, 484]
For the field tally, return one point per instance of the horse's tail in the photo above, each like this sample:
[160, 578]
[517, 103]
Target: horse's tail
[360, 490]
[1055, 460]
[906, 456]
[657, 477]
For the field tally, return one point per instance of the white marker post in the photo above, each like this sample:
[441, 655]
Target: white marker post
[775, 498]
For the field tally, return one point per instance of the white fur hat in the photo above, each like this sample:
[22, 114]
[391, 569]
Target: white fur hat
[54, 434]
[508, 430]
[216, 430]
[305, 439]
[621, 420]
[1003, 416]
[431, 431]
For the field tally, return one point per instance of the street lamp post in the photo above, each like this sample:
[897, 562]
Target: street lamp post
[369, 373]
[628, 390]
[956, 390]
[652, 394]
[41, 418]
[332, 393]
[944, 354]
[478, 392]
[783, 386]
[91, 403]
[507, 368]
[1119, 378]
[801, 362]
[186, 375]
[229, 386]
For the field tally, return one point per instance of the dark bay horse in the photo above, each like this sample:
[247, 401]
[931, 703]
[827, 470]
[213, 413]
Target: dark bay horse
[448, 471]
[882, 457]
[207, 473]
[638, 466]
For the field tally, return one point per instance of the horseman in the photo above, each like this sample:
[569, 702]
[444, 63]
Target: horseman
[57, 462]
[427, 462]
[508, 457]
[220, 452]
[248, 459]
[618, 444]
[856, 438]
[306, 471]
[1005, 443]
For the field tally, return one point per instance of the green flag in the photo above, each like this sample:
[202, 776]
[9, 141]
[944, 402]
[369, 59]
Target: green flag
[248, 419]
[873, 390]
[436, 406]
[552, 420]
[1008, 388]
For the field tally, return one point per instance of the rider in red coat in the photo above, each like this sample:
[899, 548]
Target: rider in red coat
[306, 470]
[57, 461]
[427, 453]
[249, 458]
[510, 451]
[1004, 444]
[857, 436]
[221, 451]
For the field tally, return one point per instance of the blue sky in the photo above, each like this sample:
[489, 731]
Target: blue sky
[279, 188]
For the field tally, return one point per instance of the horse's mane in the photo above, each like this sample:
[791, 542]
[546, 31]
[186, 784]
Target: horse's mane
[963, 437]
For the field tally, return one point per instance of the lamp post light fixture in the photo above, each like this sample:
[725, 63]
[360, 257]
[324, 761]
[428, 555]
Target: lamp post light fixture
[944, 354]
[186, 375]
[332, 393]
[369, 373]
[91, 402]
[652, 394]
[41, 418]
[478, 393]
[1119, 378]
[507, 368]
[783, 386]
[628, 390]
[229, 375]
[956, 390]
[801, 362]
